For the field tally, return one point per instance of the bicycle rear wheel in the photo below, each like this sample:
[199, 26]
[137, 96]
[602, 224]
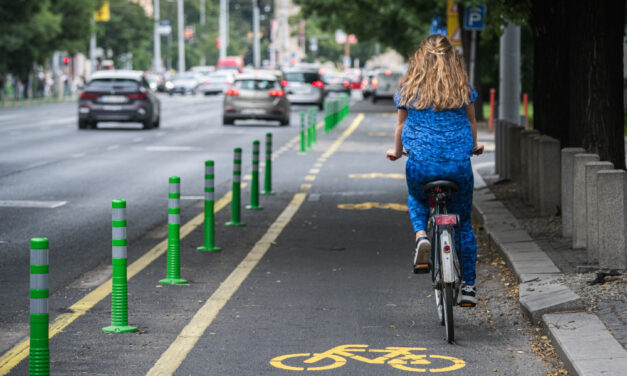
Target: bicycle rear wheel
[447, 302]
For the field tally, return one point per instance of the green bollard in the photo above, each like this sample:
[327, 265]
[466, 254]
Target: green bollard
[173, 271]
[209, 225]
[39, 359]
[303, 141]
[314, 131]
[254, 183]
[236, 192]
[267, 182]
[308, 126]
[119, 291]
[327, 117]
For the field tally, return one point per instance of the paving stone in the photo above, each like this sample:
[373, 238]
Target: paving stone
[585, 344]
[547, 296]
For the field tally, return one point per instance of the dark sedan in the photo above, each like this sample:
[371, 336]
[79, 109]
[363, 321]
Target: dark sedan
[120, 96]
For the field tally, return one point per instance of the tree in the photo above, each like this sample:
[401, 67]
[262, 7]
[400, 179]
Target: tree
[578, 77]
[128, 31]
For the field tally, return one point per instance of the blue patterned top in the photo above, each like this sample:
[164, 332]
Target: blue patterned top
[437, 135]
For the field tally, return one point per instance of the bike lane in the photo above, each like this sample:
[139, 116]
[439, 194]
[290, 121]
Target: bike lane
[335, 294]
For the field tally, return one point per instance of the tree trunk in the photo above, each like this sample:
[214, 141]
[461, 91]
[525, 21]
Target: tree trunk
[551, 82]
[596, 91]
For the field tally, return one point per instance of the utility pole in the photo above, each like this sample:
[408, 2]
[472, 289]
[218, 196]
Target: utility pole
[509, 74]
[224, 30]
[92, 47]
[202, 12]
[256, 56]
[181, 67]
[156, 61]
[203, 60]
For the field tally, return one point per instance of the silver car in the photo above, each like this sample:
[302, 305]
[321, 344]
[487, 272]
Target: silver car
[304, 86]
[385, 83]
[217, 82]
[185, 83]
[118, 96]
[256, 96]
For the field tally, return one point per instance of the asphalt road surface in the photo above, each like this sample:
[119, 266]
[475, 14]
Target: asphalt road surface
[324, 268]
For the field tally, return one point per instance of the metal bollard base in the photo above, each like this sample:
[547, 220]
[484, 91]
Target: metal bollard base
[119, 329]
[173, 281]
[209, 249]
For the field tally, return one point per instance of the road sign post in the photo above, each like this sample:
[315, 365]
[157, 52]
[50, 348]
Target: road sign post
[474, 17]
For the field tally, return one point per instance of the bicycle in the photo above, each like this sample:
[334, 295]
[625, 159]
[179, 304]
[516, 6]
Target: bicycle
[445, 257]
[401, 358]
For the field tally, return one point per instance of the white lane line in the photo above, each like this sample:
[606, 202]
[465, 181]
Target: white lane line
[31, 204]
[113, 147]
[138, 139]
[172, 148]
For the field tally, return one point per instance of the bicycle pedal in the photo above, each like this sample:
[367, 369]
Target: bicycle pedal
[421, 268]
[467, 304]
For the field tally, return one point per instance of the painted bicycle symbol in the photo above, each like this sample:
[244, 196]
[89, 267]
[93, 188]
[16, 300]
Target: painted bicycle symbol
[401, 358]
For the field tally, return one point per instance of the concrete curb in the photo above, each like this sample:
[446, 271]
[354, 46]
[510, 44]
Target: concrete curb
[580, 338]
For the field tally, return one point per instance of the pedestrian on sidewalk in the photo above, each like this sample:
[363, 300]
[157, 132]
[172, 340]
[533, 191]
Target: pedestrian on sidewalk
[436, 125]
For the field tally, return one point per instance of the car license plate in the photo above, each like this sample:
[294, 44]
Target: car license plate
[253, 111]
[113, 99]
[112, 108]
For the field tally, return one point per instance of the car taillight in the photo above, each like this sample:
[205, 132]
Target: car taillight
[346, 83]
[232, 92]
[206, 83]
[137, 96]
[388, 72]
[284, 83]
[364, 82]
[277, 93]
[318, 84]
[85, 95]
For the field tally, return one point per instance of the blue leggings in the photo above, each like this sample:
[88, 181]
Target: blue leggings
[420, 172]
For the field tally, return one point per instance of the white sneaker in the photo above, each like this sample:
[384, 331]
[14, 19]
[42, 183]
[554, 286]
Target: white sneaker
[422, 255]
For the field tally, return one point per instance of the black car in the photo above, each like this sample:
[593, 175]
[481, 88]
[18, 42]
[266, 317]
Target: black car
[120, 96]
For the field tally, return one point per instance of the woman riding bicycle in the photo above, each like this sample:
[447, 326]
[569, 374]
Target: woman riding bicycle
[437, 127]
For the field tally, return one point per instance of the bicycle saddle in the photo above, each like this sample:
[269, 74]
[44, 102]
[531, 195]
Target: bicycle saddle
[443, 184]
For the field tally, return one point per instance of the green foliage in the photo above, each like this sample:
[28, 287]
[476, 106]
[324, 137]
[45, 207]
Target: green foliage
[128, 30]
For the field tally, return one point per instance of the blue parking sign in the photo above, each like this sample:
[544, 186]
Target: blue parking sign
[474, 17]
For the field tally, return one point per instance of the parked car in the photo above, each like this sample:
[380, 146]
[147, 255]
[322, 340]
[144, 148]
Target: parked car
[118, 95]
[336, 82]
[256, 96]
[304, 86]
[184, 83]
[217, 83]
[385, 83]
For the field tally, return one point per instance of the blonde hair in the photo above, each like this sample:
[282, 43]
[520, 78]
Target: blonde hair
[436, 77]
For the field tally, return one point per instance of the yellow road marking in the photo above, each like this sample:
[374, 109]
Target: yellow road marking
[172, 358]
[310, 177]
[373, 205]
[318, 165]
[314, 171]
[381, 134]
[375, 175]
[20, 351]
[343, 137]
[305, 187]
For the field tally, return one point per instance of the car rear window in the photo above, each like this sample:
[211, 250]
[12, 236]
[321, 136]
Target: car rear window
[306, 77]
[112, 83]
[260, 85]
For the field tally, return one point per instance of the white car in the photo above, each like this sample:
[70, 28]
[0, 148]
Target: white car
[385, 83]
[184, 83]
[217, 82]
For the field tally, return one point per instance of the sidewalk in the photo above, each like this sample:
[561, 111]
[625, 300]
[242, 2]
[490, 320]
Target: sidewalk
[586, 322]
